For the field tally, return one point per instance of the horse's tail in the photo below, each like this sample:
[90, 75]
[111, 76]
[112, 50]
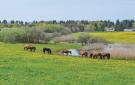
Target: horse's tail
[43, 50]
[24, 48]
[109, 55]
[50, 52]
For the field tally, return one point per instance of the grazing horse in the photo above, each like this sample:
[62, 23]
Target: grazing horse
[48, 50]
[105, 55]
[83, 53]
[95, 55]
[30, 47]
[66, 51]
[27, 46]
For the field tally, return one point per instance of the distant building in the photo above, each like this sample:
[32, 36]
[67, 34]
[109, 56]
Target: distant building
[109, 29]
[129, 30]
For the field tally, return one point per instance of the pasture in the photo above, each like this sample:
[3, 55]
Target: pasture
[113, 37]
[19, 67]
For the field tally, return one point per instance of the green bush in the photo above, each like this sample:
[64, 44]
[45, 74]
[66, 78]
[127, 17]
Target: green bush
[30, 35]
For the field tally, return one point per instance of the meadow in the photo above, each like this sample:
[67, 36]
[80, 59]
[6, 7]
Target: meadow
[19, 67]
[113, 37]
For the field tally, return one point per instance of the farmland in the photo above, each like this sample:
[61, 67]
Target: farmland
[113, 37]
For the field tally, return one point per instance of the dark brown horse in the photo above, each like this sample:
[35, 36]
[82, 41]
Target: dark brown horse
[47, 50]
[84, 53]
[95, 55]
[105, 55]
[66, 51]
[100, 55]
[30, 47]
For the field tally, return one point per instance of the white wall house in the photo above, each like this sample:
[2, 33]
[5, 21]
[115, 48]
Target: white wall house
[109, 29]
[129, 30]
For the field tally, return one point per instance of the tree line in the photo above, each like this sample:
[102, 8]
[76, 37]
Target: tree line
[70, 25]
[57, 31]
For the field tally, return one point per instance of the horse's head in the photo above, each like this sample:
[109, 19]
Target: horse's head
[70, 52]
[62, 51]
[91, 54]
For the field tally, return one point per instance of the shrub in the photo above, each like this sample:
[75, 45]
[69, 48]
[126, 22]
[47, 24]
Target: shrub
[86, 39]
[29, 35]
[64, 38]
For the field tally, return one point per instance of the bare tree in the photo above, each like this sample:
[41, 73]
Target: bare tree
[84, 38]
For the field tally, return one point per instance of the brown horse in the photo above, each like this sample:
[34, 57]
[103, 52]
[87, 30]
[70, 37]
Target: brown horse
[29, 47]
[84, 53]
[66, 51]
[95, 55]
[105, 55]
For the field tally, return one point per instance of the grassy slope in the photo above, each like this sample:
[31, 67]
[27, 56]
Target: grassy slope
[114, 37]
[18, 67]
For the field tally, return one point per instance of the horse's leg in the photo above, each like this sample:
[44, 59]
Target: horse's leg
[50, 52]
[108, 56]
[67, 54]
[31, 49]
[100, 56]
[27, 49]
[103, 56]
[96, 57]
[82, 55]
[93, 56]
[87, 56]
[43, 51]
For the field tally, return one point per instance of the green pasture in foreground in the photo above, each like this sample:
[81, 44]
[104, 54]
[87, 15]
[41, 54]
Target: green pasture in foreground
[114, 37]
[19, 67]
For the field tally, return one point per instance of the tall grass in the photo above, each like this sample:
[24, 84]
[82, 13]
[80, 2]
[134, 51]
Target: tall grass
[120, 53]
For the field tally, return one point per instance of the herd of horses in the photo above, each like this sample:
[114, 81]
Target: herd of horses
[31, 48]
[83, 53]
[95, 55]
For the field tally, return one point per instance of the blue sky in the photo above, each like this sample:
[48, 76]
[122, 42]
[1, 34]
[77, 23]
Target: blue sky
[29, 10]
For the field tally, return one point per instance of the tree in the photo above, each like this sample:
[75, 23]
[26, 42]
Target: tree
[4, 22]
[84, 38]
[133, 25]
[12, 22]
[118, 26]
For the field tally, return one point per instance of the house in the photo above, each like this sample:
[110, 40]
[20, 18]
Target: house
[109, 29]
[129, 30]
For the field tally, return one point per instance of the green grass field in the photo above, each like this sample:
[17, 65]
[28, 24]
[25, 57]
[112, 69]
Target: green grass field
[114, 37]
[19, 67]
